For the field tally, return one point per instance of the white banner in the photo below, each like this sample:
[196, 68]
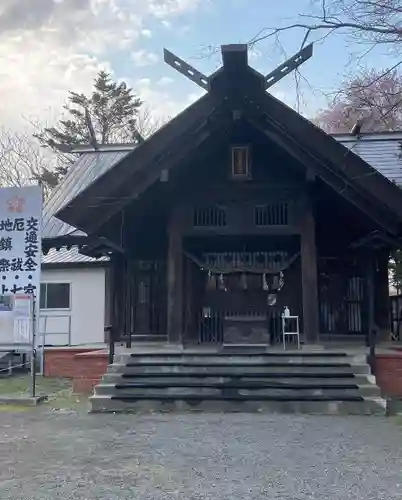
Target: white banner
[20, 242]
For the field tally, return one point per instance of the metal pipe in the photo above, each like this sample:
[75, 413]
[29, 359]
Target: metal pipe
[109, 331]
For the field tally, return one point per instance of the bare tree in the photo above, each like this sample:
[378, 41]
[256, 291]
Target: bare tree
[148, 122]
[22, 162]
[372, 98]
[370, 21]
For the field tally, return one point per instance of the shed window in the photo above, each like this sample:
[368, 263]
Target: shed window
[55, 296]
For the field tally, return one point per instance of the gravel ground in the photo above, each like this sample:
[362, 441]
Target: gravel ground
[72, 455]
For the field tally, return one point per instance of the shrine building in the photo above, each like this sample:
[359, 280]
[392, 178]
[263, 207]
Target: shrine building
[236, 209]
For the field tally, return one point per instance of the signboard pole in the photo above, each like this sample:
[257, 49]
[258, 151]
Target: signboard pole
[33, 354]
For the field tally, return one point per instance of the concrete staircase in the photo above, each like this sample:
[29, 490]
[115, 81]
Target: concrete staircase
[315, 382]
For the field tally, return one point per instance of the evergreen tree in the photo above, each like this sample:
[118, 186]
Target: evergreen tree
[108, 115]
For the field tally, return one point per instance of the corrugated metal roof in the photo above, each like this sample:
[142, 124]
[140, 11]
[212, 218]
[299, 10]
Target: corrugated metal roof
[89, 167]
[68, 256]
[381, 151]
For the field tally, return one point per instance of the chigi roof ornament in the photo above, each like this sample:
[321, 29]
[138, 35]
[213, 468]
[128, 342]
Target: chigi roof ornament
[270, 79]
[185, 69]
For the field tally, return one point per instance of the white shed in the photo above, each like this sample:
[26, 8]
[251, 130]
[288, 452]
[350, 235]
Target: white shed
[72, 299]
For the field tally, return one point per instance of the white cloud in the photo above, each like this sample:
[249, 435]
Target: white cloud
[48, 47]
[159, 101]
[288, 97]
[254, 54]
[144, 82]
[165, 80]
[144, 58]
[183, 30]
[37, 81]
[279, 94]
[168, 8]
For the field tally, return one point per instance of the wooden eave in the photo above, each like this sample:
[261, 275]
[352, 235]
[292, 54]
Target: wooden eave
[101, 246]
[63, 241]
[377, 239]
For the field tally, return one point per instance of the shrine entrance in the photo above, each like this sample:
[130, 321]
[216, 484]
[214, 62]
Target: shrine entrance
[237, 288]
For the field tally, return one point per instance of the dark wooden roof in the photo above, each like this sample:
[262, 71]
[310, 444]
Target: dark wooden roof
[236, 89]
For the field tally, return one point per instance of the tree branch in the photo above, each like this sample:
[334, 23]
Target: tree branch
[21, 160]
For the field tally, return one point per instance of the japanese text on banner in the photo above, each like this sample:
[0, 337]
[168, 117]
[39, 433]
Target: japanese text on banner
[20, 240]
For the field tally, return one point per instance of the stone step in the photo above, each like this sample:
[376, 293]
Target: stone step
[172, 351]
[233, 369]
[218, 362]
[234, 383]
[176, 378]
[210, 359]
[320, 406]
[292, 382]
[225, 390]
[370, 391]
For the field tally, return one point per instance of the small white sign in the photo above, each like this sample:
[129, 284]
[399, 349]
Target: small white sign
[23, 319]
[7, 319]
[22, 307]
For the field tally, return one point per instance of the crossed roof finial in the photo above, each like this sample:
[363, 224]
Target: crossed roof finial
[270, 79]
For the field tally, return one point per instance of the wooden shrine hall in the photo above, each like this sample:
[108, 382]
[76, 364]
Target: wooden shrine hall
[236, 209]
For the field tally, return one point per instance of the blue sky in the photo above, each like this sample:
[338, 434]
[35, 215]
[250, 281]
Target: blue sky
[192, 36]
[53, 46]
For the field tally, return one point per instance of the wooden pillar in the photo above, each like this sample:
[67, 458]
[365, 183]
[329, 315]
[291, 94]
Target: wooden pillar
[175, 279]
[381, 293]
[114, 304]
[109, 296]
[309, 274]
[188, 302]
[370, 290]
[116, 296]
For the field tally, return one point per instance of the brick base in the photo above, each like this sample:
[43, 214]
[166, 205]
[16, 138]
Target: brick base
[89, 369]
[388, 371]
[84, 366]
[59, 362]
